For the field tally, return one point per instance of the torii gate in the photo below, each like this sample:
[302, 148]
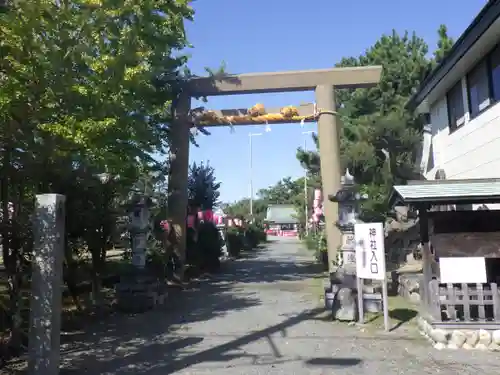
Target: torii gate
[323, 82]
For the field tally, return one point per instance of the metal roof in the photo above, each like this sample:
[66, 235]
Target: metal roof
[449, 191]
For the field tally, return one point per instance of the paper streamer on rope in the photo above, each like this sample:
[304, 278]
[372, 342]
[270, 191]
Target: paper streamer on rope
[268, 128]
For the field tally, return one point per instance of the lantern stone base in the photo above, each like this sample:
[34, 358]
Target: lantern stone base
[139, 292]
[478, 339]
[341, 295]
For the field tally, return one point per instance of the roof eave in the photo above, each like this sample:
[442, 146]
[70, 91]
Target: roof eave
[481, 23]
[453, 199]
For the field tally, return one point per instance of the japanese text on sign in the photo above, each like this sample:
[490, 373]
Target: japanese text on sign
[370, 251]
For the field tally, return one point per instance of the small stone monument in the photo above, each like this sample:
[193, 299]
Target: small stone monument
[46, 285]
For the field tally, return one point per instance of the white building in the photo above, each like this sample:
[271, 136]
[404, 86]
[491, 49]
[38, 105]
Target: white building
[460, 100]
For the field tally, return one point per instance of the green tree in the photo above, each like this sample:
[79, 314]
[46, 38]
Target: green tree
[86, 87]
[203, 188]
[380, 138]
[444, 44]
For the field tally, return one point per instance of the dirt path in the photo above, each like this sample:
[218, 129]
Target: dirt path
[260, 317]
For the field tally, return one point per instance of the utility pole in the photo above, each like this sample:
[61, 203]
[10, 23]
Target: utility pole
[306, 195]
[250, 136]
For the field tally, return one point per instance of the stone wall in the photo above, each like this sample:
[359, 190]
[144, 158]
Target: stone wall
[460, 339]
[408, 286]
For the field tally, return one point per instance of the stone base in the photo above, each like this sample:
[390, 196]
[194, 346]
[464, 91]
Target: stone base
[480, 339]
[140, 292]
[343, 301]
[341, 295]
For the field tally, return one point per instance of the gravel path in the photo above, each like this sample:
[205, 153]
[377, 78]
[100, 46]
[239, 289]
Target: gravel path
[260, 317]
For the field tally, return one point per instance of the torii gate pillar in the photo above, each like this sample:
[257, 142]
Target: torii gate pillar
[329, 150]
[178, 177]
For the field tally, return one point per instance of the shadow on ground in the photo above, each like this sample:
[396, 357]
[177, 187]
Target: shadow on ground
[152, 356]
[153, 343]
[402, 316]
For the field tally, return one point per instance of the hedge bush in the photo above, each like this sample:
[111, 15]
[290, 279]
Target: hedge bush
[316, 242]
[239, 239]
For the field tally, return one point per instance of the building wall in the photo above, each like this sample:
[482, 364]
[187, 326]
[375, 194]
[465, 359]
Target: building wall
[471, 151]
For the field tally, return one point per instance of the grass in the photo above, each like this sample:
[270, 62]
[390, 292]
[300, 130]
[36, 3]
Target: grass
[402, 313]
[402, 316]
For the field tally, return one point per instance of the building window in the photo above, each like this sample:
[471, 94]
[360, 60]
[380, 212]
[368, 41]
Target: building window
[483, 90]
[495, 73]
[478, 89]
[455, 102]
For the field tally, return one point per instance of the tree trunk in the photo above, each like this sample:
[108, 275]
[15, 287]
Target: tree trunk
[97, 299]
[70, 274]
[10, 256]
[15, 309]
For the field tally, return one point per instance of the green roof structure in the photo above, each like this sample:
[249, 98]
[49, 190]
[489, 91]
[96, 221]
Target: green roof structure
[282, 214]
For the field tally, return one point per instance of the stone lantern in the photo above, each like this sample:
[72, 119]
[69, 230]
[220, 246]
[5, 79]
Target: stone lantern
[139, 230]
[140, 289]
[340, 295]
[348, 199]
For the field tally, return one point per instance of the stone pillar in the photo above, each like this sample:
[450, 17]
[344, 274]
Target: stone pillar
[329, 149]
[46, 285]
[179, 165]
[348, 199]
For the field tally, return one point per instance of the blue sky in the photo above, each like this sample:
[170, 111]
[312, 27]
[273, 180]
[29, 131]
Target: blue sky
[276, 35]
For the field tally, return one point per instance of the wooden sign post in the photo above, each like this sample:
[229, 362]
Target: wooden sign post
[370, 263]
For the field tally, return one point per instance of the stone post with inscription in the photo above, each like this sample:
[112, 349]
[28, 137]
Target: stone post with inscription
[46, 285]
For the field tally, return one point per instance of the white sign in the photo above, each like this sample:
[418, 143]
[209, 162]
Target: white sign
[370, 251]
[469, 270]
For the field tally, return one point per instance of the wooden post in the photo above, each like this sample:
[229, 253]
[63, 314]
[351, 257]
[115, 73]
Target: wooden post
[423, 216]
[434, 302]
[496, 301]
[177, 184]
[329, 148]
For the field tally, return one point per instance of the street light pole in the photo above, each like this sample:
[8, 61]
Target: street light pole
[250, 136]
[306, 210]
